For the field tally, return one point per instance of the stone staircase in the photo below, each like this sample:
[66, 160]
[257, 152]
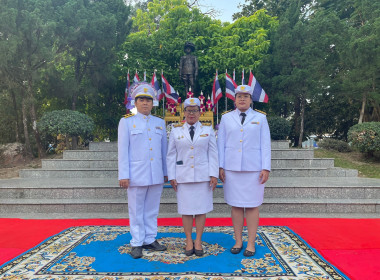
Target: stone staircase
[84, 185]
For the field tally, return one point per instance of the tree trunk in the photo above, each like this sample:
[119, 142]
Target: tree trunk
[25, 125]
[302, 120]
[33, 118]
[364, 101]
[297, 113]
[15, 108]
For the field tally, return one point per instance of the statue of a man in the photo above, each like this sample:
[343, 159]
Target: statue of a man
[188, 67]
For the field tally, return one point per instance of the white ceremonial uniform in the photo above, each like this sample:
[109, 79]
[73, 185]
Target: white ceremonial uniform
[142, 148]
[244, 151]
[192, 163]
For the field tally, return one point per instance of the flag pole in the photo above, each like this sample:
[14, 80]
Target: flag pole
[163, 98]
[225, 96]
[217, 111]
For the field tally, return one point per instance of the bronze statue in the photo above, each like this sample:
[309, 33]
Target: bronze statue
[188, 67]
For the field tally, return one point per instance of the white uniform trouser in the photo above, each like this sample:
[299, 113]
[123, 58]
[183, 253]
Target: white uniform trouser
[143, 207]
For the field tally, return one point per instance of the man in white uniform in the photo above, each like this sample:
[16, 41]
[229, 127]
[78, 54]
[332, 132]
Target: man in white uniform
[244, 147]
[142, 147]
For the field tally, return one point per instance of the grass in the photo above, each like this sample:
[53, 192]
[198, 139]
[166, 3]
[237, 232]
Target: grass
[367, 167]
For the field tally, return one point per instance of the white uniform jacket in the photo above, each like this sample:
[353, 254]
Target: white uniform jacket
[192, 161]
[244, 147]
[142, 148]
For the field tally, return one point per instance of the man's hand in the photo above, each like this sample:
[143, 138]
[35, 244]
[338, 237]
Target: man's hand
[222, 175]
[124, 183]
[213, 182]
[264, 175]
[174, 184]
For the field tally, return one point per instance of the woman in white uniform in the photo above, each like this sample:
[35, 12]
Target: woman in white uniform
[244, 148]
[192, 162]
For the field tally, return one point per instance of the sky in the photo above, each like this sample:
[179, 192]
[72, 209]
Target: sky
[226, 7]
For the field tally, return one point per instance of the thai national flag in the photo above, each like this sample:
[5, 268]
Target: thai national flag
[156, 86]
[242, 78]
[258, 94]
[126, 91]
[169, 91]
[230, 87]
[216, 91]
[136, 78]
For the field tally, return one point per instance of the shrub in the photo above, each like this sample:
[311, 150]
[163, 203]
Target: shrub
[365, 137]
[66, 122]
[279, 128]
[336, 145]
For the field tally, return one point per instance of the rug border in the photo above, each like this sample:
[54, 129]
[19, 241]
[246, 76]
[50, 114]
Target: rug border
[328, 263]
[337, 274]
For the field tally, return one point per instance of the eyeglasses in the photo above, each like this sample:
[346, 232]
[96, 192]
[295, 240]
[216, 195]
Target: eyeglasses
[192, 111]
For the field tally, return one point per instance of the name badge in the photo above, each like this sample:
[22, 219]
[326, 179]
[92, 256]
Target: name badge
[203, 135]
[255, 123]
[180, 162]
[159, 127]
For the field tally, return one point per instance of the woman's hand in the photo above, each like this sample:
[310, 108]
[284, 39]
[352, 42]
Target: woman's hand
[213, 182]
[222, 175]
[174, 184]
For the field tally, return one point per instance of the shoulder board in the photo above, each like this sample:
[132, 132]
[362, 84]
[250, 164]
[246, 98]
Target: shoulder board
[260, 112]
[157, 116]
[227, 112]
[178, 125]
[128, 115]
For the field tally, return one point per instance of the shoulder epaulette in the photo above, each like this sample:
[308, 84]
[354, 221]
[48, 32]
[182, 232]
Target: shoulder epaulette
[227, 112]
[178, 125]
[128, 115]
[158, 116]
[260, 112]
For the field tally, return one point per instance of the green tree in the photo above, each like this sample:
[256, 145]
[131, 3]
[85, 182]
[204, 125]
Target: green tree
[165, 27]
[25, 46]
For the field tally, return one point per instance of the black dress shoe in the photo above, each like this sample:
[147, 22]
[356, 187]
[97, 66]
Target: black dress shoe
[247, 253]
[155, 246]
[236, 250]
[136, 252]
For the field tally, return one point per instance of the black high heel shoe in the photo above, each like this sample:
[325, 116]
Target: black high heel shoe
[189, 252]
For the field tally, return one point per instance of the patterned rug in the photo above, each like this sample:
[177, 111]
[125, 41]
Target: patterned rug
[102, 252]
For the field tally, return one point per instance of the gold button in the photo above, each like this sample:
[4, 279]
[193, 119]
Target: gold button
[241, 140]
[148, 129]
[241, 130]
[144, 117]
[239, 151]
[150, 149]
[150, 139]
[151, 159]
[192, 166]
[191, 147]
[192, 157]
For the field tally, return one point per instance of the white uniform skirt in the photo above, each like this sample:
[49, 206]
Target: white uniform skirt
[194, 198]
[243, 189]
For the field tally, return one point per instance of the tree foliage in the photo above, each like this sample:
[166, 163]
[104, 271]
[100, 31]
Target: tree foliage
[165, 27]
[66, 122]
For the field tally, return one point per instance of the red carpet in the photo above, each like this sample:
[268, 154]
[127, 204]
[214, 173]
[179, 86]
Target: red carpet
[352, 245]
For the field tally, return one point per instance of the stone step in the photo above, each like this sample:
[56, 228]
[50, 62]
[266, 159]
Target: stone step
[90, 163]
[169, 206]
[113, 172]
[115, 192]
[112, 146]
[112, 155]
